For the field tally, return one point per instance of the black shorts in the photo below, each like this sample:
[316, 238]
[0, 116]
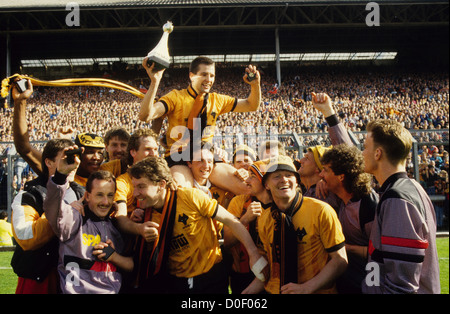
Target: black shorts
[171, 162]
[215, 281]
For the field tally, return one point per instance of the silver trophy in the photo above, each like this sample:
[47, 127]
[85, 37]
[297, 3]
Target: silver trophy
[160, 54]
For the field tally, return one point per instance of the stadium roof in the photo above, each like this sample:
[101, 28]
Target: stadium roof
[47, 4]
[37, 30]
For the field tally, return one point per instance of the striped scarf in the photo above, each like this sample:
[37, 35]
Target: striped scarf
[7, 84]
[284, 249]
[152, 257]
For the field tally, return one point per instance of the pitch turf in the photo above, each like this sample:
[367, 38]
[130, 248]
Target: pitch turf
[8, 279]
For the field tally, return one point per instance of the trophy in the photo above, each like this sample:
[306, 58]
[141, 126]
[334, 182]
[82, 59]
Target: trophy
[160, 54]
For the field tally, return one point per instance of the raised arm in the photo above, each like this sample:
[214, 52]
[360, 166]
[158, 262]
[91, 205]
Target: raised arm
[20, 129]
[338, 133]
[63, 219]
[149, 109]
[252, 102]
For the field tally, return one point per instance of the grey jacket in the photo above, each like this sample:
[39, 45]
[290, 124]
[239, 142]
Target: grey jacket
[403, 254]
[79, 270]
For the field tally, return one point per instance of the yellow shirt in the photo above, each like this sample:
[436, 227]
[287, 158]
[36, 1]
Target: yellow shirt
[114, 166]
[5, 233]
[30, 230]
[319, 229]
[179, 104]
[80, 180]
[223, 197]
[194, 245]
[124, 192]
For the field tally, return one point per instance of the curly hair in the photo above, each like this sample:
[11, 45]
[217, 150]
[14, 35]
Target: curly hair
[349, 161]
[154, 169]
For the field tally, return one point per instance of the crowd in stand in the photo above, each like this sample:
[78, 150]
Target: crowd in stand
[418, 100]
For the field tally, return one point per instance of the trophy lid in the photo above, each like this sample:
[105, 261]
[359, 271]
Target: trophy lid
[168, 27]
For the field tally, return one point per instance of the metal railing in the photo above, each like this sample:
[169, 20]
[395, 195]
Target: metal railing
[294, 143]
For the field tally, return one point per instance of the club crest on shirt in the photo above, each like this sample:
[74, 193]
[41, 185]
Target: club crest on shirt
[301, 234]
[183, 218]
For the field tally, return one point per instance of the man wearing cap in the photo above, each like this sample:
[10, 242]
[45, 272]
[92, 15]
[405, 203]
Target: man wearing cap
[91, 157]
[270, 149]
[302, 236]
[247, 208]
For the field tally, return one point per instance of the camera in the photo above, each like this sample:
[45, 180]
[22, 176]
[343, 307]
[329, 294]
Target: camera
[71, 155]
[251, 76]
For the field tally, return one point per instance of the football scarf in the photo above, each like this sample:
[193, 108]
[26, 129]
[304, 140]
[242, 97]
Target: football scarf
[284, 249]
[8, 83]
[152, 257]
[198, 114]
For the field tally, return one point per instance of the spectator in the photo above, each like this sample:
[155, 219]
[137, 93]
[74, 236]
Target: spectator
[6, 234]
[430, 177]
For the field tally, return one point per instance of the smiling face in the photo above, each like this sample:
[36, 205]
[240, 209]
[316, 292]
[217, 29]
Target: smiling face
[147, 193]
[116, 148]
[202, 165]
[101, 198]
[254, 183]
[147, 147]
[282, 184]
[242, 161]
[203, 80]
[91, 159]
